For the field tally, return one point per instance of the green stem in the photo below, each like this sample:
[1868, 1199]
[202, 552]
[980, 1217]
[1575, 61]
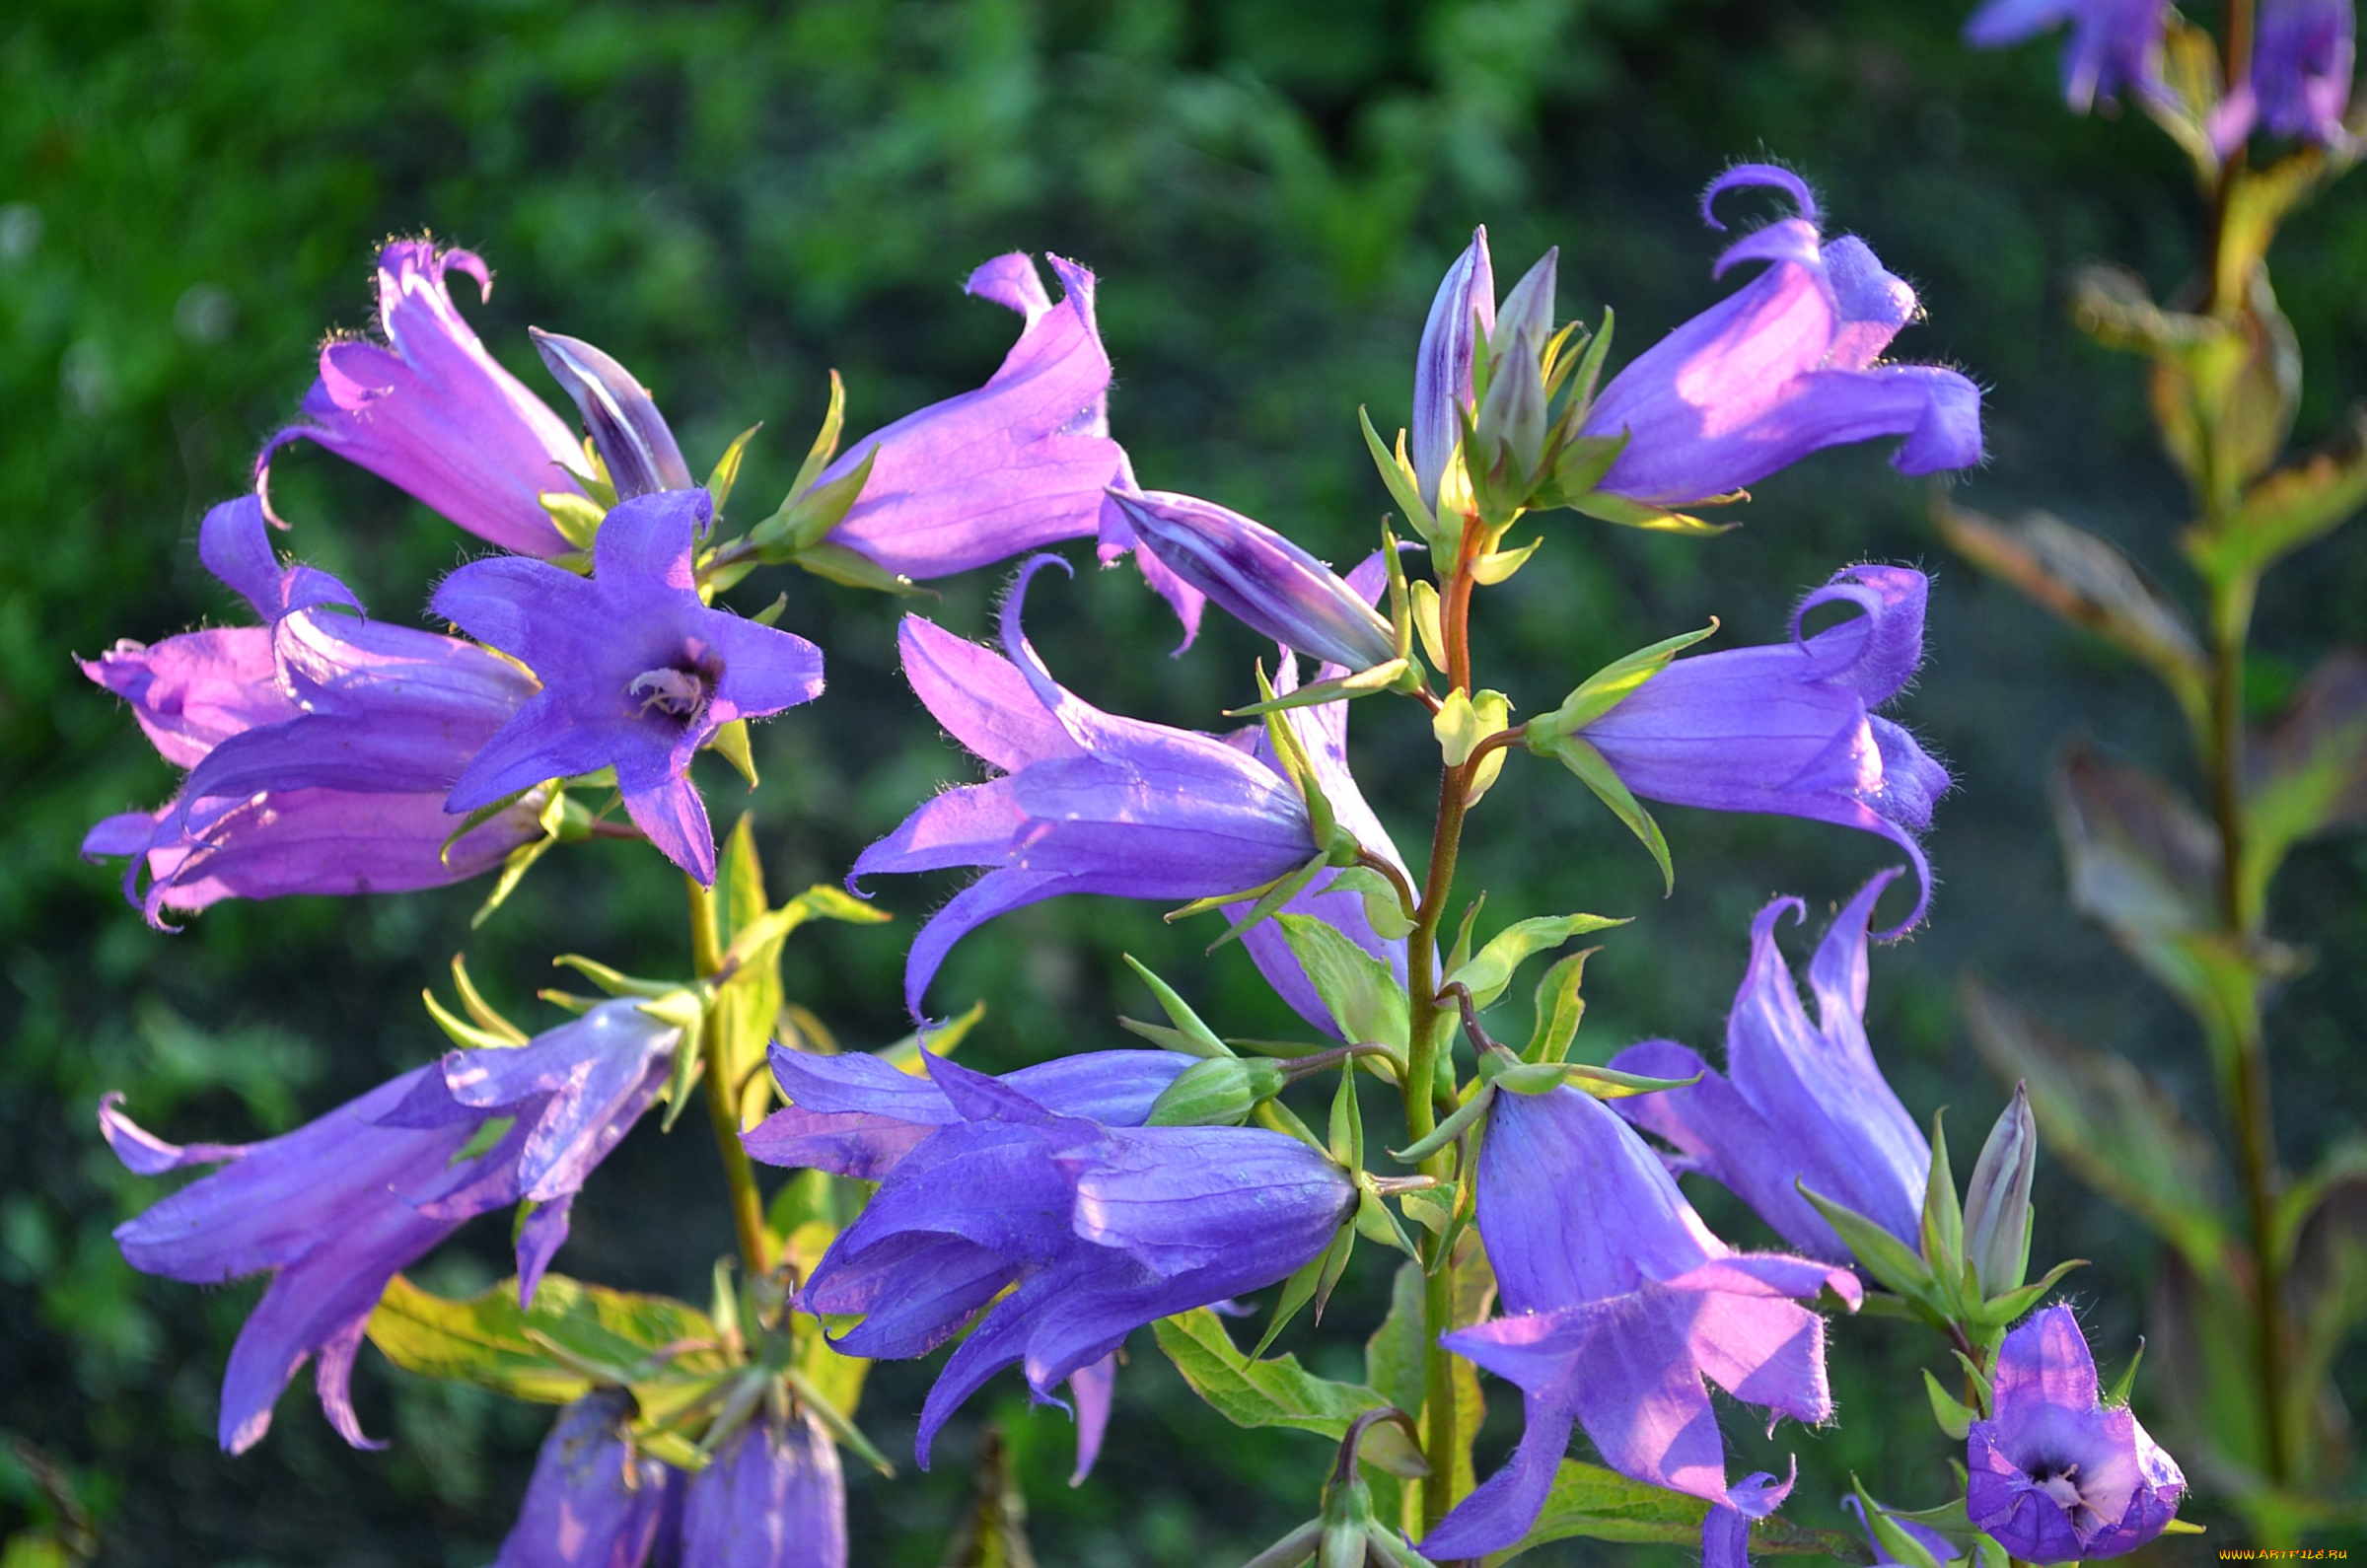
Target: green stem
[739, 1173]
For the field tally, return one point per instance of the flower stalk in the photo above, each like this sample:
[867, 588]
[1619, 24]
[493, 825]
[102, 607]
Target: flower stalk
[738, 1173]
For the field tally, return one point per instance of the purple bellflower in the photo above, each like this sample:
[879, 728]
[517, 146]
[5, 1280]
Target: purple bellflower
[320, 745]
[1462, 314]
[1789, 728]
[2301, 65]
[1094, 1230]
[638, 673]
[2114, 43]
[1616, 1305]
[1086, 800]
[434, 413]
[1261, 579]
[340, 1205]
[772, 1497]
[2058, 1475]
[1788, 365]
[1798, 1101]
[593, 1502]
[634, 443]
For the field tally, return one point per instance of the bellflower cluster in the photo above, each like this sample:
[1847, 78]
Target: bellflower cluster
[1799, 1103]
[2115, 44]
[341, 1204]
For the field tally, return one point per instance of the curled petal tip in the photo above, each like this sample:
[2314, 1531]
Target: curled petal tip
[1759, 174]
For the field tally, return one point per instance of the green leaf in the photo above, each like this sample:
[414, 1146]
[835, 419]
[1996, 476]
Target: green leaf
[2000, 1310]
[1194, 1035]
[1608, 508]
[2308, 773]
[1403, 487]
[727, 468]
[1559, 1008]
[1492, 969]
[1953, 1415]
[2287, 509]
[1259, 1393]
[574, 1335]
[1599, 1503]
[2110, 1122]
[1943, 1214]
[1363, 998]
[1614, 683]
[1596, 773]
[1382, 909]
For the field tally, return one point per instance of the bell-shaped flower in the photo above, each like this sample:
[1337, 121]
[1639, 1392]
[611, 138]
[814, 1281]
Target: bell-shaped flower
[1086, 800]
[856, 1115]
[2114, 43]
[1789, 728]
[1617, 1302]
[1091, 1230]
[593, 1502]
[637, 672]
[1788, 364]
[1462, 316]
[319, 744]
[1799, 1103]
[340, 1205]
[1021, 462]
[2302, 56]
[2058, 1475]
[772, 1497]
[432, 411]
[1261, 579]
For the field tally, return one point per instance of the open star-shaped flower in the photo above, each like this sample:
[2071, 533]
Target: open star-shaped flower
[637, 671]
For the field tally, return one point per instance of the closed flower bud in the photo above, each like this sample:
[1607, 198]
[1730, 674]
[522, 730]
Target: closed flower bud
[1997, 1206]
[1218, 1093]
[630, 434]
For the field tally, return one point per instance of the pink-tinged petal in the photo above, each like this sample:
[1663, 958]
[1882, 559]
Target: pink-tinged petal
[493, 601]
[1092, 1387]
[1011, 281]
[1638, 1393]
[1746, 176]
[671, 813]
[979, 697]
[143, 1152]
[593, 1503]
[764, 670]
[234, 544]
[1759, 1347]
[191, 692]
[976, 824]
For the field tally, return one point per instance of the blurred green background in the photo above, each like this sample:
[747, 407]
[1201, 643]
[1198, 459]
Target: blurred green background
[735, 198]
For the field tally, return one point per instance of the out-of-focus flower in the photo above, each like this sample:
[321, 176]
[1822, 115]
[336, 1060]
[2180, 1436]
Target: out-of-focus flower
[1788, 365]
[1617, 1304]
[342, 1203]
[2301, 64]
[772, 1497]
[433, 412]
[1798, 1101]
[637, 672]
[2058, 1475]
[320, 746]
[1093, 1230]
[1789, 728]
[2114, 43]
[593, 1502]
[1088, 802]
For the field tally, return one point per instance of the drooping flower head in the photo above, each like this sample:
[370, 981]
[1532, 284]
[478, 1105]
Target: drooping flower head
[342, 1203]
[637, 672]
[1094, 1229]
[772, 1497]
[1618, 1301]
[593, 1502]
[2114, 44]
[2301, 66]
[2058, 1475]
[432, 411]
[319, 744]
[1788, 364]
[1086, 800]
[1798, 1101]
[1789, 728]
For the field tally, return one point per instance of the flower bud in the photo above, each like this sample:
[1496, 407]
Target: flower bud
[1528, 308]
[1218, 1093]
[1261, 578]
[1464, 309]
[1997, 1205]
[630, 434]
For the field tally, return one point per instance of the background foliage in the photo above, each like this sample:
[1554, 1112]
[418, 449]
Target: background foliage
[733, 199]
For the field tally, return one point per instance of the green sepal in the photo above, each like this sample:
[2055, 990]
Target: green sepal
[1890, 1260]
[824, 901]
[852, 569]
[1464, 1117]
[1902, 1547]
[1270, 902]
[2117, 1395]
[1490, 971]
[1346, 1135]
[1382, 909]
[1313, 1281]
[1190, 1034]
[1422, 598]
[466, 1035]
[1221, 1092]
[1559, 1008]
[730, 742]
[614, 981]
[1590, 368]
[842, 1428]
[726, 473]
[480, 1010]
[1380, 1225]
[1461, 953]
[1507, 1071]
[2000, 1310]
[1398, 475]
[1953, 1414]
[577, 518]
[1395, 674]
[825, 439]
[1596, 775]
[1943, 1223]
[1610, 687]
[1498, 566]
[1606, 507]
[1357, 989]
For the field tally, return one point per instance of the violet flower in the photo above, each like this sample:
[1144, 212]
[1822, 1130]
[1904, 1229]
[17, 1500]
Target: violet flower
[1088, 802]
[341, 1204]
[320, 745]
[1263, 580]
[1798, 1103]
[632, 436]
[2114, 43]
[2058, 1475]
[593, 1502]
[2301, 65]
[1093, 1230]
[1462, 313]
[638, 673]
[1617, 1306]
[1789, 728]
[434, 413]
[772, 1497]
[1785, 366]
